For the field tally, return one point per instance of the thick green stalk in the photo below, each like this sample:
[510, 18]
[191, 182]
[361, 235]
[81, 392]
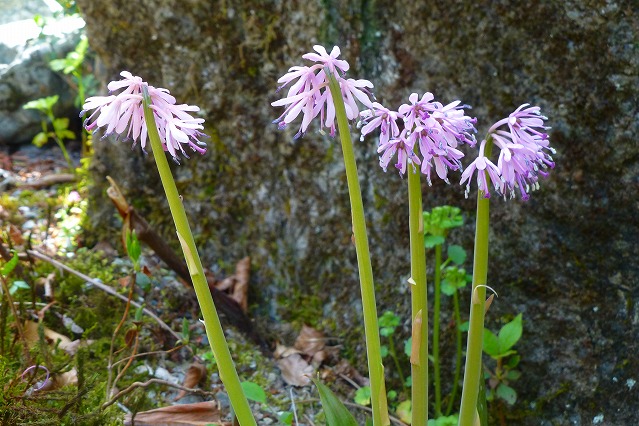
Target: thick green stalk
[371, 330]
[474, 346]
[419, 354]
[436, 318]
[214, 330]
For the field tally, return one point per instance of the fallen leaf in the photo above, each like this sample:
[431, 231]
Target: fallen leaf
[198, 414]
[31, 334]
[193, 376]
[16, 235]
[310, 341]
[295, 371]
[282, 351]
[226, 284]
[240, 289]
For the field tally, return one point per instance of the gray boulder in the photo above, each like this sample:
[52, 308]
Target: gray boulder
[25, 74]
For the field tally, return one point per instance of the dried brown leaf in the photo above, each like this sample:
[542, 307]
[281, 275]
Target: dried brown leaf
[310, 341]
[295, 371]
[193, 376]
[282, 351]
[240, 289]
[200, 414]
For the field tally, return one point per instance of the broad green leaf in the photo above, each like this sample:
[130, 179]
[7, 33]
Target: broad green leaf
[40, 139]
[66, 134]
[286, 417]
[510, 333]
[447, 288]
[254, 392]
[9, 266]
[457, 254]
[451, 420]
[506, 393]
[384, 351]
[335, 411]
[431, 241]
[42, 104]
[60, 124]
[463, 327]
[491, 343]
[363, 395]
[143, 282]
[392, 395]
[389, 319]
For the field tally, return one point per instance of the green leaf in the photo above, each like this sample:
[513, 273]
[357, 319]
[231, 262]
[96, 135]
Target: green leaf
[363, 395]
[392, 395]
[254, 392]
[336, 412]
[138, 313]
[447, 288]
[405, 411]
[40, 139]
[66, 134]
[513, 361]
[43, 104]
[389, 319]
[408, 346]
[451, 420]
[457, 254]
[286, 417]
[431, 241]
[133, 248]
[384, 351]
[60, 124]
[9, 266]
[18, 285]
[506, 393]
[510, 333]
[513, 375]
[142, 281]
[463, 327]
[491, 343]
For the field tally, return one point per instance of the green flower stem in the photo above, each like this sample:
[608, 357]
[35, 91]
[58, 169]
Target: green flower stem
[473, 369]
[458, 355]
[419, 354]
[436, 318]
[393, 352]
[214, 330]
[371, 330]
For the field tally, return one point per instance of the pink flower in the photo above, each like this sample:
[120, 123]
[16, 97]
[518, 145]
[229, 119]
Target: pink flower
[436, 129]
[123, 114]
[481, 165]
[524, 151]
[310, 96]
[403, 147]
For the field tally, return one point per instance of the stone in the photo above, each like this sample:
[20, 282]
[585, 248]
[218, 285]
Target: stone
[285, 202]
[25, 74]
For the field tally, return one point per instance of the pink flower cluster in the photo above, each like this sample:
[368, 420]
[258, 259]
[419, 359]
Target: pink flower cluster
[436, 129]
[524, 155]
[124, 114]
[311, 96]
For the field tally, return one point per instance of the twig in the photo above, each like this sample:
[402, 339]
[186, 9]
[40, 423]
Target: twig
[102, 287]
[148, 353]
[149, 382]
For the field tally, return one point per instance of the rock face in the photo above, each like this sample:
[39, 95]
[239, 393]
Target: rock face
[566, 258]
[25, 74]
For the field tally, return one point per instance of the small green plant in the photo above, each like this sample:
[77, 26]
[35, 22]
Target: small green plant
[81, 82]
[60, 130]
[256, 393]
[500, 348]
[448, 280]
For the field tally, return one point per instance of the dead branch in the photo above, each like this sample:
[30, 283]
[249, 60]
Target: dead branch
[225, 303]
